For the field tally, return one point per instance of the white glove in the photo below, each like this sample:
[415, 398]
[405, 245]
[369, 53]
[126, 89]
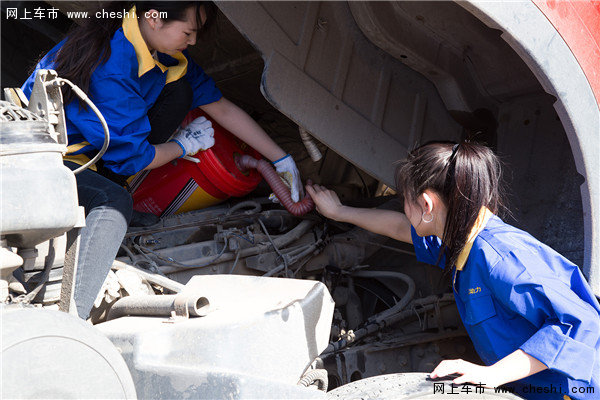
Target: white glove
[287, 170]
[198, 135]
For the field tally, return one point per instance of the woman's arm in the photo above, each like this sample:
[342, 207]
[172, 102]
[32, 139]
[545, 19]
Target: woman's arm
[515, 366]
[235, 120]
[384, 222]
[164, 153]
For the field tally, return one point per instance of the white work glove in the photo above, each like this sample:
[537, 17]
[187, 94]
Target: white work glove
[198, 135]
[287, 170]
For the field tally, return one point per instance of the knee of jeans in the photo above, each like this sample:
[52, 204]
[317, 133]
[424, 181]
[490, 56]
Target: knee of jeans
[121, 201]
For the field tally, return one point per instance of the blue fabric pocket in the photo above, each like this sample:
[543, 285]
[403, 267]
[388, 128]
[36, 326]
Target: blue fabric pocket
[478, 309]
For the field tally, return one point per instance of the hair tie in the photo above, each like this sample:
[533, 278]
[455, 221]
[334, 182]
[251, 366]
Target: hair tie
[453, 155]
[451, 169]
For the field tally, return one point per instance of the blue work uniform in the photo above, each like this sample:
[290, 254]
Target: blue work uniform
[124, 88]
[513, 293]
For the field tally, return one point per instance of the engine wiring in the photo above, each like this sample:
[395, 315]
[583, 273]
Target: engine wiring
[283, 258]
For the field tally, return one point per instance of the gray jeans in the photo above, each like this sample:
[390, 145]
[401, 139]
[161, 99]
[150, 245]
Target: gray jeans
[108, 209]
[108, 206]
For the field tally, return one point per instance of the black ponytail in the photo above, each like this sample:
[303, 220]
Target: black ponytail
[466, 176]
[88, 45]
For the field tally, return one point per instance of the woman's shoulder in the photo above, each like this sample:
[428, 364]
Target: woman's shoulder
[501, 243]
[502, 238]
[498, 240]
[122, 61]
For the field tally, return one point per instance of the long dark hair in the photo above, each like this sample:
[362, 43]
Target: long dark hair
[466, 176]
[88, 45]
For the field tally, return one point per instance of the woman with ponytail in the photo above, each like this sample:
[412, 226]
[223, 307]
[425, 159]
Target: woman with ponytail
[529, 311]
[130, 59]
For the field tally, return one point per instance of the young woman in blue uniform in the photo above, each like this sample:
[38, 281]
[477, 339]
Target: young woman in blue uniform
[130, 59]
[529, 311]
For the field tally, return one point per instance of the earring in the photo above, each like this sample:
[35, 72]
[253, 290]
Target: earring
[426, 220]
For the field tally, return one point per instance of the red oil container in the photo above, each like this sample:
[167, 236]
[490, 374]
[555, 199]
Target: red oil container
[183, 185]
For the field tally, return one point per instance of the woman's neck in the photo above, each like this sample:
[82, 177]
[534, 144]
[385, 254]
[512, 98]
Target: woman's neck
[440, 213]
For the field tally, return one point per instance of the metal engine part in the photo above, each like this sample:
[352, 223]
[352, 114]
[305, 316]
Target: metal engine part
[380, 313]
[38, 193]
[258, 339]
[421, 338]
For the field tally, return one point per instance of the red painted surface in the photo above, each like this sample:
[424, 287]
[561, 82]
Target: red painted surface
[578, 22]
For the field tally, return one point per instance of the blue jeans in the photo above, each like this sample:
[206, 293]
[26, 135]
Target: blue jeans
[108, 209]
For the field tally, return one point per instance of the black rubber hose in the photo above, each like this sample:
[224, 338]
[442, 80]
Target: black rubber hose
[425, 304]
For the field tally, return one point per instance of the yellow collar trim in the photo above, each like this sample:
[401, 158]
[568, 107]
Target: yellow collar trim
[146, 62]
[482, 219]
[176, 71]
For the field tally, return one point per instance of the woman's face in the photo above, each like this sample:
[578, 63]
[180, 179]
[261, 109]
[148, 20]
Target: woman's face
[413, 212]
[175, 36]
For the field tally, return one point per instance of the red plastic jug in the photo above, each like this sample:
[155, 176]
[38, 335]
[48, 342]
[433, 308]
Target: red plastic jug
[183, 185]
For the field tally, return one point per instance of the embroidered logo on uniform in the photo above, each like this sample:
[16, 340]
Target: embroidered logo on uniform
[475, 290]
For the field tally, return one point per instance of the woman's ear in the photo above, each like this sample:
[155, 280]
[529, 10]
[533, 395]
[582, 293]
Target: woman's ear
[152, 19]
[426, 201]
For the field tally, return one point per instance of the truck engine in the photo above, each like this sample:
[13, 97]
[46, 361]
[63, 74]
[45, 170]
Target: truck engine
[244, 299]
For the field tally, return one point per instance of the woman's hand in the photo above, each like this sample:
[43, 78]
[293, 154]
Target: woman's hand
[287, 170]
[469, 373]
[517, 365]
[327, 202]
[197, 135]
[383, 222]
